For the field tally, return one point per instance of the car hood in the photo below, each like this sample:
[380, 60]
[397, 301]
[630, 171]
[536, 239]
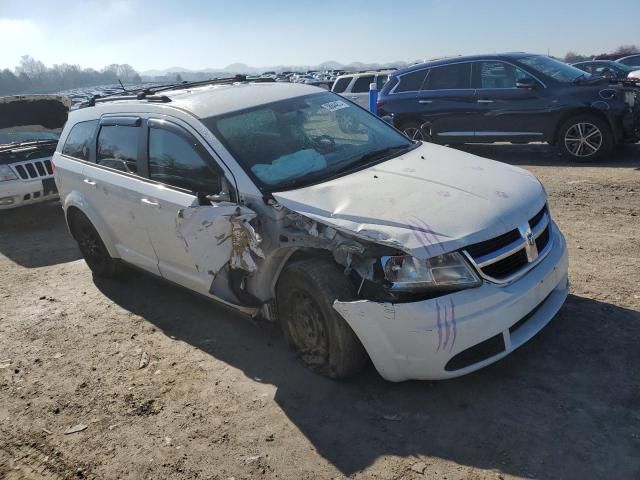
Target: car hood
[34, 112]
[429, 201]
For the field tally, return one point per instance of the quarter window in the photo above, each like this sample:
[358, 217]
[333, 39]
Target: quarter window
[450, 77]
[362, 84]
[341, 84]
[78, 143]
[411, 82]
[381, 80]
[179, 160]
[118, 147]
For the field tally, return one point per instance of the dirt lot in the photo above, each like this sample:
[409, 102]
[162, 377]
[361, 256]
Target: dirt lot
[222, 397]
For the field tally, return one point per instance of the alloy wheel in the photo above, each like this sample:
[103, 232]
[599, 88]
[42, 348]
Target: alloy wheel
[414, 133]
[583, 139]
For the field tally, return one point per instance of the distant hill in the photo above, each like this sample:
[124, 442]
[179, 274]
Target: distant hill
[242, 68]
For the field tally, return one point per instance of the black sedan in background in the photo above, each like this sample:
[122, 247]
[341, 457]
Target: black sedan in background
[515, 97]
[611, 70]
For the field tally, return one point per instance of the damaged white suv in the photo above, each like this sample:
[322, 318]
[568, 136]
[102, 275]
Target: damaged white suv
[286, 201]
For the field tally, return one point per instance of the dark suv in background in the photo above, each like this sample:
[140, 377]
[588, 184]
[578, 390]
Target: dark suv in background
[517, 98]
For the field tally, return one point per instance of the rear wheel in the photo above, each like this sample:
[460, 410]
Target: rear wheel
[585, 138]
[92, 247]
[324, 341]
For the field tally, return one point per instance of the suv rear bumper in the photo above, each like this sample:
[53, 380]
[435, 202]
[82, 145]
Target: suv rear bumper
[458, 333]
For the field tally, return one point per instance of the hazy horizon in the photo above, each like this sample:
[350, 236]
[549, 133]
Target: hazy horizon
[199, 35]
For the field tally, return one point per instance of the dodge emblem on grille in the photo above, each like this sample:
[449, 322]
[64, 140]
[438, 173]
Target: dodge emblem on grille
[530, 239]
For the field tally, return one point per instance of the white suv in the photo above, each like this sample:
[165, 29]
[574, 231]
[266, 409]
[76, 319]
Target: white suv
[30, 127]
[355, 86]
[285, 201]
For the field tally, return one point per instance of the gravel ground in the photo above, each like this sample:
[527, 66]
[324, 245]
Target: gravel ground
[222, 397]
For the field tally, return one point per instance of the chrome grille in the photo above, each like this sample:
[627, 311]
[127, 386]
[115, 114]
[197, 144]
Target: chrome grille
[33, 169]
[504, 258]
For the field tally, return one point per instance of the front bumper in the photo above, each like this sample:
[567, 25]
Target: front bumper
[16, 193]
[458, 333]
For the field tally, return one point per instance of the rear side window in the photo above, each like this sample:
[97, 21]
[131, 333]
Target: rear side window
[411, 82]
[361, 84]
[178, 160]
[341, 84]
[78, 143]
[118, 147]
[450, 77]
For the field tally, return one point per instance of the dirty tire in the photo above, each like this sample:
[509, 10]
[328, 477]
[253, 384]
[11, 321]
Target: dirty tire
[93, 249]
[324, 341]
[411, 129]
[585, 138]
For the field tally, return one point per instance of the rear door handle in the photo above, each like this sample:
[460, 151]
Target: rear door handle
[151, 203]
[425, 101]
[354, 98]
[89, 182]
[485, 100]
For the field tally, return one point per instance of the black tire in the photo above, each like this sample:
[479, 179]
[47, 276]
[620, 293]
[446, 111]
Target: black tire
[92, 248]
[413, 130]
[585, 138]
[324, 341]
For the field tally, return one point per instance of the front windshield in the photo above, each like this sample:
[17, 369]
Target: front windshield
[19, 136]
[304, 140]
[554, 68]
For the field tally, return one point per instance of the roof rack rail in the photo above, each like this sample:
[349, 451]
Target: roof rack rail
[151, 93]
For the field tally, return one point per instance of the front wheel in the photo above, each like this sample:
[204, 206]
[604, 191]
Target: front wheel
[324, 341]
[585, 138]
[92, 247]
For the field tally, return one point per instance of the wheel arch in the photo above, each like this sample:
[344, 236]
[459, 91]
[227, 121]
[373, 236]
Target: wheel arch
[73, 205]
[586, 110]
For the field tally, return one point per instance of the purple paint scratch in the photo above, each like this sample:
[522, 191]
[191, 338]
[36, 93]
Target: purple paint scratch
[449, 325]
[453, 321]
[446, 328]
[438, 326]
[430, 235]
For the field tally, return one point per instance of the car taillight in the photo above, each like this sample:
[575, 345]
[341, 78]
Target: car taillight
[53, 167]
[380, 103]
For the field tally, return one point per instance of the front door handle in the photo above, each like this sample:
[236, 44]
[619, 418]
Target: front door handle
[485, 100]
[354, 98]
[425, 101]
[89, 182]
[151, 203]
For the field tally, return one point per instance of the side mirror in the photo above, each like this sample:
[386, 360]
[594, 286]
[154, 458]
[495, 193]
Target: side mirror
[219, 197]
[526, 82]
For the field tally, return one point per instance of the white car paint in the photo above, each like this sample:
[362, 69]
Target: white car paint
[422, 192]
[426, 202]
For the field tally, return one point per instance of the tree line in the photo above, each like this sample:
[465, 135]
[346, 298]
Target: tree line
[33, 76]
[573, 57]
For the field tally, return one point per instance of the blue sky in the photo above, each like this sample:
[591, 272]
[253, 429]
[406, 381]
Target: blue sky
[200, 34]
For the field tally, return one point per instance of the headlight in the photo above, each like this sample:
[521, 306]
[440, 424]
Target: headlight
[446, 272]
[6, 173]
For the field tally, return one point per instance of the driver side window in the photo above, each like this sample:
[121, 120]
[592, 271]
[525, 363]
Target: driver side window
[177, 159]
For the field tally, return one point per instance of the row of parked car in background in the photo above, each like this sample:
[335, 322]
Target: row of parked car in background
[585, 109]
